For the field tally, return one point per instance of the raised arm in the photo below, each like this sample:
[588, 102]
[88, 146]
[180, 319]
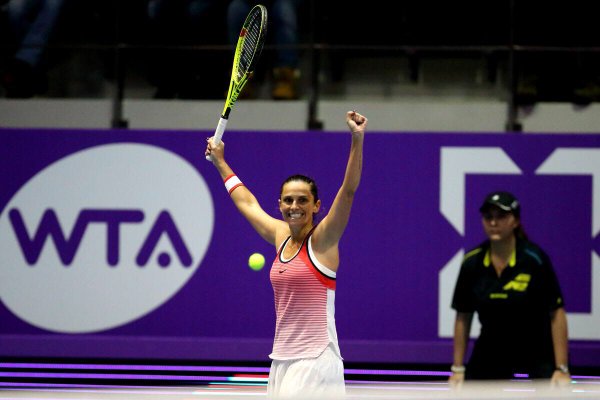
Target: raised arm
[331, 228]
[244, 200]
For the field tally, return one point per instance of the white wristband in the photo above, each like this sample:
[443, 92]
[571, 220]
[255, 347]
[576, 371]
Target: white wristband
[458, 369]
[232, 182]
[564, 368]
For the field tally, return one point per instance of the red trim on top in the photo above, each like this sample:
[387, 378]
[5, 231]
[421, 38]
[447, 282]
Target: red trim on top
[235, 187]
[228, 177]
[303, 254]
[325, 280]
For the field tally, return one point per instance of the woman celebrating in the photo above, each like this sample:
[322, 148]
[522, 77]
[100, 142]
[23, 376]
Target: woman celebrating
[511, 284]
[306, 356]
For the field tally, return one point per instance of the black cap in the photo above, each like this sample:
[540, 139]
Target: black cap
[503, 200]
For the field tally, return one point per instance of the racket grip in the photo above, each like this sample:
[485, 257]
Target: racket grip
[220, 130]
[218, 134]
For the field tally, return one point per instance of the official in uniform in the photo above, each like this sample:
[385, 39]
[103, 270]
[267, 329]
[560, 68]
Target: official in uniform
[510, 283]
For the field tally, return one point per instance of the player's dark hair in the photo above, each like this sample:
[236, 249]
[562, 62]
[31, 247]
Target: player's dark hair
[302, 178]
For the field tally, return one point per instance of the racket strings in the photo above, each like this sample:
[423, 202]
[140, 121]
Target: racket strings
[253, 40]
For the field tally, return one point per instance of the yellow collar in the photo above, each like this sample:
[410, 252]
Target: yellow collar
[511, 262]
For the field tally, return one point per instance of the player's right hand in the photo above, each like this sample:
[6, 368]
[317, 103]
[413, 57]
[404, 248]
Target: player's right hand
[215, 152]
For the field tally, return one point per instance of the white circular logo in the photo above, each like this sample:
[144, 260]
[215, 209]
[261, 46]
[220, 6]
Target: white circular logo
[103, 237]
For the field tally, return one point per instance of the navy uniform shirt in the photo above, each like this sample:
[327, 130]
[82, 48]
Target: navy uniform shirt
[514, 310]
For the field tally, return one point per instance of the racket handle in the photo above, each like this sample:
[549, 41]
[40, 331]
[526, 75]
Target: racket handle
[218, 134]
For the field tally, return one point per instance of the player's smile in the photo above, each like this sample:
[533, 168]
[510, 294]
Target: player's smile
[295, 215]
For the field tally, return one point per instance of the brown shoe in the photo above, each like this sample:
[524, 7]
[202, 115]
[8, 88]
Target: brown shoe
[285, 83]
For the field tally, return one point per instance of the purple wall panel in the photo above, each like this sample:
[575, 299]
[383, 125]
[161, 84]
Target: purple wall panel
[397, 242]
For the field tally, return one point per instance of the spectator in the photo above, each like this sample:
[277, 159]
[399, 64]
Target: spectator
[187, 73]
[32, 23]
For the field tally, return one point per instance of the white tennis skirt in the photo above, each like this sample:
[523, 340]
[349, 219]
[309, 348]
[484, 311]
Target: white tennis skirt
[308, 377]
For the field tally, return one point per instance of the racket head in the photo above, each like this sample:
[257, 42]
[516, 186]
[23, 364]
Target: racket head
[251, 41]
[247, 52]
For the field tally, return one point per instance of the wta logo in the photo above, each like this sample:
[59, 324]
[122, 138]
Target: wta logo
[103, 237]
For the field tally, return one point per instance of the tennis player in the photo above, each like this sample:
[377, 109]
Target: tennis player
[306, 356]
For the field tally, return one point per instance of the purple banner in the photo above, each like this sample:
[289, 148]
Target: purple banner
[124, 244]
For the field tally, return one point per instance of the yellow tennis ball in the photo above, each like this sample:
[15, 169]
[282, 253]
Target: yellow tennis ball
[256, 261]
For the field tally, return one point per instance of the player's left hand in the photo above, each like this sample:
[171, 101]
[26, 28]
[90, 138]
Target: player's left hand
[456, 380]
[357, 123]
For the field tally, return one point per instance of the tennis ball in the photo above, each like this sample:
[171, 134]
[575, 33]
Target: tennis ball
[256, 261]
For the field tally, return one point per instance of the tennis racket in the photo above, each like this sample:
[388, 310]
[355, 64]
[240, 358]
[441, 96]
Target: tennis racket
[247, 53]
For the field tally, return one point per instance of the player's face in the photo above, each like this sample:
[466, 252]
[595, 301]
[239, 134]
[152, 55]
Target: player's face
[297, 204]
[498, 224]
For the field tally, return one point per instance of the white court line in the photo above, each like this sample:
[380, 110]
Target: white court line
[505, 390]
